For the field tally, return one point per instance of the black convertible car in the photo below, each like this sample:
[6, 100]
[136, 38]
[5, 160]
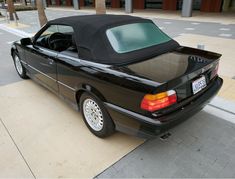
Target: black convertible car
[122, 72]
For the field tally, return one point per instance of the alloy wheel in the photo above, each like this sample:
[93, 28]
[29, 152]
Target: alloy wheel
[93, 114]
[18, 65]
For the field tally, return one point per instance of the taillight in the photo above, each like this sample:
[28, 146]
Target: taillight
[153, 102]
[215, 71]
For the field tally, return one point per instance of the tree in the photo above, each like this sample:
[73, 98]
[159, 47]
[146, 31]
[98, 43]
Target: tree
[24, 2]
[11, 10]
[41, 13]
[100, 7]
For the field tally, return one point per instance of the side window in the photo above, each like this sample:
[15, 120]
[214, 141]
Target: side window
[58, 38]
[49, 31]
[64, 29]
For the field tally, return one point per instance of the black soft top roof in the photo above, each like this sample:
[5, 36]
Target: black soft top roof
[92, 42]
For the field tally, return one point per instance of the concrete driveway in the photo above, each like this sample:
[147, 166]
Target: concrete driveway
[51, 139]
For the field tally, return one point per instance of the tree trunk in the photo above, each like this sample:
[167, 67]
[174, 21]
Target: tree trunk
[41, 13]
[100, 6]
[11, 10]
[23, 2]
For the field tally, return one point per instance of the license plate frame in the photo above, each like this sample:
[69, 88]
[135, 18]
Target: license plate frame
[199, 84]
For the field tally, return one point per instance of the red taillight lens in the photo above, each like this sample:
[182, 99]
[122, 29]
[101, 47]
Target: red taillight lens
[158, 101]
[215, 71]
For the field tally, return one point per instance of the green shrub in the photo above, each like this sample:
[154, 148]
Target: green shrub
[24, 8]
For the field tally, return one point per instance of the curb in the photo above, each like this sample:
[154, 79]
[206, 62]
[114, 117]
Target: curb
[221, 103]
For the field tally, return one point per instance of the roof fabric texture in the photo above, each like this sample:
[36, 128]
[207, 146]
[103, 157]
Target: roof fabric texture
[93, 44]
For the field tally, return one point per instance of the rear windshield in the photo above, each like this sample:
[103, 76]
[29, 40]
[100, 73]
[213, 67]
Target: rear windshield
[131, 37]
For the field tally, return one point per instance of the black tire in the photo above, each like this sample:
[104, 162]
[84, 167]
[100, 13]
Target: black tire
[108, 126]
[22, 73]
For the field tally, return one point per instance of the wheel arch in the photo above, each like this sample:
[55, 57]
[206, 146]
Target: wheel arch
[91, 90]
[13, 49]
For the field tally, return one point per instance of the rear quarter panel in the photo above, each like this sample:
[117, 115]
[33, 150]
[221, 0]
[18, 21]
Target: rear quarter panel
[103, 81]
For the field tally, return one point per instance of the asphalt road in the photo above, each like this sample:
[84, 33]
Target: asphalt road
[172, 27]
[178, 27]
[203, 146]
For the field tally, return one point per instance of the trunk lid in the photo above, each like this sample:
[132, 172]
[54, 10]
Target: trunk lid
[173, 65]
[176, 70]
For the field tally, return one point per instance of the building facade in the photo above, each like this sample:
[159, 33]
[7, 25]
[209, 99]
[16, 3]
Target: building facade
[202, 5]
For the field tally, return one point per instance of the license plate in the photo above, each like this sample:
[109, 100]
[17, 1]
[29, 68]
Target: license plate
[199, 84]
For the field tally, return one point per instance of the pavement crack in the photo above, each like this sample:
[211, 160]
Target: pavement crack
[18, 148]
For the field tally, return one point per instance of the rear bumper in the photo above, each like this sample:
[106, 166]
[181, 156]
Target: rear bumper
[135, 124]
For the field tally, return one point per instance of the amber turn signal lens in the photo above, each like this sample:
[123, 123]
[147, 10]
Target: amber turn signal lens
[153, 102]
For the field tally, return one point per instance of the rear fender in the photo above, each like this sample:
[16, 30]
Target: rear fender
[91, 90]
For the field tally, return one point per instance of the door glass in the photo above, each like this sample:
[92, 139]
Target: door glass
[52, 29]
[57, 37]
[64, 29]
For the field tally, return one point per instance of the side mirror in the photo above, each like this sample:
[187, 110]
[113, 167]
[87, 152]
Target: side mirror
[26, 41]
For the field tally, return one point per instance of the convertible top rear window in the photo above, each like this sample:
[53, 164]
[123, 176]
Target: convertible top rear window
[136, 36]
